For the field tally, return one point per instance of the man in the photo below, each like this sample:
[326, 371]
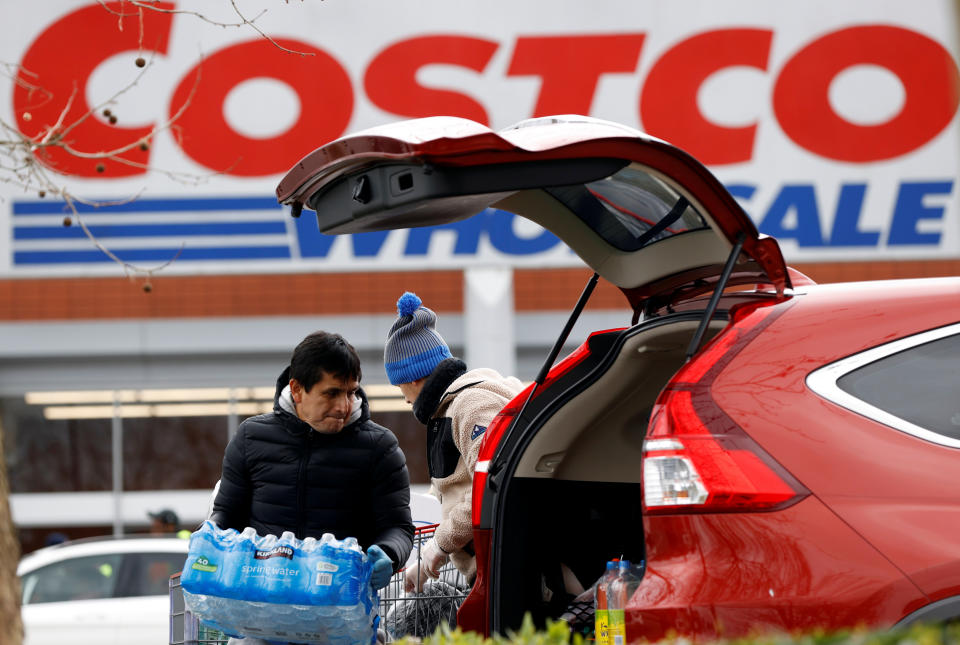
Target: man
[456, 405]
[166, 521]
[317, 464]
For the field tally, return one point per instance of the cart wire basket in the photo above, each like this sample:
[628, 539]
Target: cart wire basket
[402, 614]
[419, 614]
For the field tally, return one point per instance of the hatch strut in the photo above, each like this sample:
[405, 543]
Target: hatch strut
[715, 298]
[547, 364]
[571, 321]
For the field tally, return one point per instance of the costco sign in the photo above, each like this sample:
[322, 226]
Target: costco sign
[834, 126]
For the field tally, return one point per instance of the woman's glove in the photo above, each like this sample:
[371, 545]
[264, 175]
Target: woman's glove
[382, 567]
[428, 564]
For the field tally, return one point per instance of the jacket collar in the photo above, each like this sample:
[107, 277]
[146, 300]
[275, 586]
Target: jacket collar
[445, 373]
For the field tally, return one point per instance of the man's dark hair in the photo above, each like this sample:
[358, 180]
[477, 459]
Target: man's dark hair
[322, 352]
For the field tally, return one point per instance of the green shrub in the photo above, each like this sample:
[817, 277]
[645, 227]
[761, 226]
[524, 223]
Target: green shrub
[557, 633]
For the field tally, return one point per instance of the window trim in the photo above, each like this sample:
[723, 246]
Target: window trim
[823, 382]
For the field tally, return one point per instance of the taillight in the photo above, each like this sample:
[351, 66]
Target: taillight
[570, 361]
[696, 458]
[488, 448]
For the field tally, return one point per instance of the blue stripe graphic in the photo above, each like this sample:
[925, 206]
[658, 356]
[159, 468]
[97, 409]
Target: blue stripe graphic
[35, 245]
[149, 230]
[144, 205]
[154, 255]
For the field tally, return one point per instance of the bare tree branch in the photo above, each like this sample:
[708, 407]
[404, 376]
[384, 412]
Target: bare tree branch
[131, 270]
[21, 156]
[244, 21]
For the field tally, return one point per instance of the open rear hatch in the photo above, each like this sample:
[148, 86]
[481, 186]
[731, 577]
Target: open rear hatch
[643, 214]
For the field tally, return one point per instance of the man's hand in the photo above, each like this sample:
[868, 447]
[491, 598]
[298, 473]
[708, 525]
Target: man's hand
[382, 567]
[428, 564]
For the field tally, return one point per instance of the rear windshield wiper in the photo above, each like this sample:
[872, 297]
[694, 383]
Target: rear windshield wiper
[581, 201]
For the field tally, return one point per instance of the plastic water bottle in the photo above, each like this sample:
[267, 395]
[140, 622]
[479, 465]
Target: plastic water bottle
[305, 562]
[619, 592]
[600, 610]
[202, 567]
[235, 547]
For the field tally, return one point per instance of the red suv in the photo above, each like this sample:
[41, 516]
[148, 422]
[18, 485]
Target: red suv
[780, 453]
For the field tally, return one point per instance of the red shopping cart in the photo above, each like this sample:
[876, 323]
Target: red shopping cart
[402, 614]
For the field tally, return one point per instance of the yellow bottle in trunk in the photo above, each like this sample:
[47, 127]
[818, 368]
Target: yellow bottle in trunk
[600, 596]
[618, 593]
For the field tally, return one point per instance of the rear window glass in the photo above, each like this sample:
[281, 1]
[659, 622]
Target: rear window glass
[918, 385]
[87, 578]
[632, 208]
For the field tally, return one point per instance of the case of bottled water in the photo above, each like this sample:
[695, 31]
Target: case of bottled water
[283, 589]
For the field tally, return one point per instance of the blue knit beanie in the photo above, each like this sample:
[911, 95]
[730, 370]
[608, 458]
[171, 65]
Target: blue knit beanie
[413, 346]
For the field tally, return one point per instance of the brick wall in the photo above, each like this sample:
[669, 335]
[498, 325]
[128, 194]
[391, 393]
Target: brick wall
[346, 293]
[225, 295]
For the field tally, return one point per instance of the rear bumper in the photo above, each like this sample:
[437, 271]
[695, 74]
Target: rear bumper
[729, 575]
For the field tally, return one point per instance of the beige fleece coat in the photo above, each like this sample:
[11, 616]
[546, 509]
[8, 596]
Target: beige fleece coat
[471, 409]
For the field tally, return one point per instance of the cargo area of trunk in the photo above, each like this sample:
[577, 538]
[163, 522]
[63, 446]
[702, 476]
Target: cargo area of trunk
[574, 499]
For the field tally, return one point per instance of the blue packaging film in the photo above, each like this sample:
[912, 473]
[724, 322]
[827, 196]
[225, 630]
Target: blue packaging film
[280, 589]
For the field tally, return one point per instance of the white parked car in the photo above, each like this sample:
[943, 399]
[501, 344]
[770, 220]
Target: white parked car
[101, 591]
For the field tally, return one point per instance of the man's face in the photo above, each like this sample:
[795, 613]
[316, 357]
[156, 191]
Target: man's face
[327, 405]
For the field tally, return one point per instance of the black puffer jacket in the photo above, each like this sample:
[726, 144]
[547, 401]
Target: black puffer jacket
[280, 475]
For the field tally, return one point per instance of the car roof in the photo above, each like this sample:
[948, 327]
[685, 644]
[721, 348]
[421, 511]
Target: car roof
[100, 546]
